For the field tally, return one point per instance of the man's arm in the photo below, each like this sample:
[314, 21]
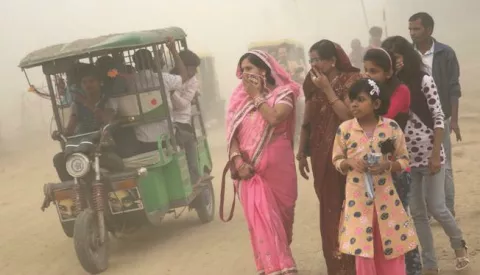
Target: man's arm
[72, 121]
[454, 90]
[182, 70]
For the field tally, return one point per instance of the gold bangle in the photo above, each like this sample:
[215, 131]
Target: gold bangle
[333, 101]
[258, 101]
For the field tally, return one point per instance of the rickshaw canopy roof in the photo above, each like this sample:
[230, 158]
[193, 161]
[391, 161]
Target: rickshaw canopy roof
[85, 47]
[274, 43]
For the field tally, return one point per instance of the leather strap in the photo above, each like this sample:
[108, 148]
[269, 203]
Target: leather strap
[222, 196]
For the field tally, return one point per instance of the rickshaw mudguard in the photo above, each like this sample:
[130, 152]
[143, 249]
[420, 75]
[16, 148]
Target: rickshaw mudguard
[167, 184]
[153, 190]
[179, 185]
[204, 156]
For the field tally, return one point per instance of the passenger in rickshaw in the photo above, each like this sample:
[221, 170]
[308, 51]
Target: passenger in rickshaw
[68, 90]
[86, 116]
[146, 77]
[182, 111]
[125, 139]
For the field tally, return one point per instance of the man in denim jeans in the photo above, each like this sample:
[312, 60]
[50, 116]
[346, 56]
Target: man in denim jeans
[441, 63]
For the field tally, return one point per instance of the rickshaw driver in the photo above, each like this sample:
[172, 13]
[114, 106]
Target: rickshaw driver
[86, 116]
[182, 111]
[146, 75]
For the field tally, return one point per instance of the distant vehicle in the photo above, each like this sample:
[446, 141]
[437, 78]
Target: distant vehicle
[210, 99]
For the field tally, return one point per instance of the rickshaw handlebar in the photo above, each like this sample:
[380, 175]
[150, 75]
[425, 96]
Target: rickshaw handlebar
[58, 136]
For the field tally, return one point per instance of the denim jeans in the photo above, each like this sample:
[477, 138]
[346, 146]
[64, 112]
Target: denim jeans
[413, 261]
[449, 185]
[431, 196]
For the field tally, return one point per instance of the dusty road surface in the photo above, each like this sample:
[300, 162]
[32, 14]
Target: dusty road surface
[32, 242]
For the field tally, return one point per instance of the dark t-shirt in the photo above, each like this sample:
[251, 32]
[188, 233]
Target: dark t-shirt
[85, 119]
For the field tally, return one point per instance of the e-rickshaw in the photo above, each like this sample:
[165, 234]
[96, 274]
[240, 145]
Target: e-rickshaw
[291, 55]
[211, 101]
[97, 201]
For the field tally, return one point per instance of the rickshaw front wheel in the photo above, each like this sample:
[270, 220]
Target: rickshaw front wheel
[92, 254]
[204, 203]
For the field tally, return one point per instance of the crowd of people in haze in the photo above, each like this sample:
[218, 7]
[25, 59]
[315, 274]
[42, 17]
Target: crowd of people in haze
[379, 149]
[378, 143]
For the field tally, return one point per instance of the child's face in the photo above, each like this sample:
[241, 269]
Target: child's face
[375, 72]
[363, 106]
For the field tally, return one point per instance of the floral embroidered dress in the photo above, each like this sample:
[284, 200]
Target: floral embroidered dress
[356, 227]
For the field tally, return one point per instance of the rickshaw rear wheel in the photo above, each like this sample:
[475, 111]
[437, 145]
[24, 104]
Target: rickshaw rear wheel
[93, 255]
[68, 228]
[204, 203]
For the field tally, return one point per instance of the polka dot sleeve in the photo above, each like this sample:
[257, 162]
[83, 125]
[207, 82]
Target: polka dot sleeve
[433, 100]
[339, 153]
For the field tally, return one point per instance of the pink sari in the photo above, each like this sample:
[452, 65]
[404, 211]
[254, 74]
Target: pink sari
[268, 198]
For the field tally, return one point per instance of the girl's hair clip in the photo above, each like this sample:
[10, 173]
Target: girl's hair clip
[375, 89]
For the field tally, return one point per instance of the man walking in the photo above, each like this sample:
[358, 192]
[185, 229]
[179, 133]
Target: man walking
[441, 63]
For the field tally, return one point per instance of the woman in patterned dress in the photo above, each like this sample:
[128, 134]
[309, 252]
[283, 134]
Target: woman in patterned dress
[326, 106]
[375, 226]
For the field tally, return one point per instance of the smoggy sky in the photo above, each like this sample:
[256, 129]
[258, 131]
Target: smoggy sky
[222, 27]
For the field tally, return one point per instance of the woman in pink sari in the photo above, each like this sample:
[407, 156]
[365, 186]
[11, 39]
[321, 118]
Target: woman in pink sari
[260, 125]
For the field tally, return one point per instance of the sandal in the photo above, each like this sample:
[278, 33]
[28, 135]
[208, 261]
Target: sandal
[462, 262]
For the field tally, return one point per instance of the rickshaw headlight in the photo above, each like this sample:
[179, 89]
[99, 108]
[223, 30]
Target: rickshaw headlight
[78, 165]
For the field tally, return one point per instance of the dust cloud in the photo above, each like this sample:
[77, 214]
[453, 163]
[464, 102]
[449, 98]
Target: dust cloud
[222, 28]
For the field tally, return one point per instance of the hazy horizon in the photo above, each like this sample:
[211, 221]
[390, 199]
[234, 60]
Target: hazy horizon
[223, 28]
